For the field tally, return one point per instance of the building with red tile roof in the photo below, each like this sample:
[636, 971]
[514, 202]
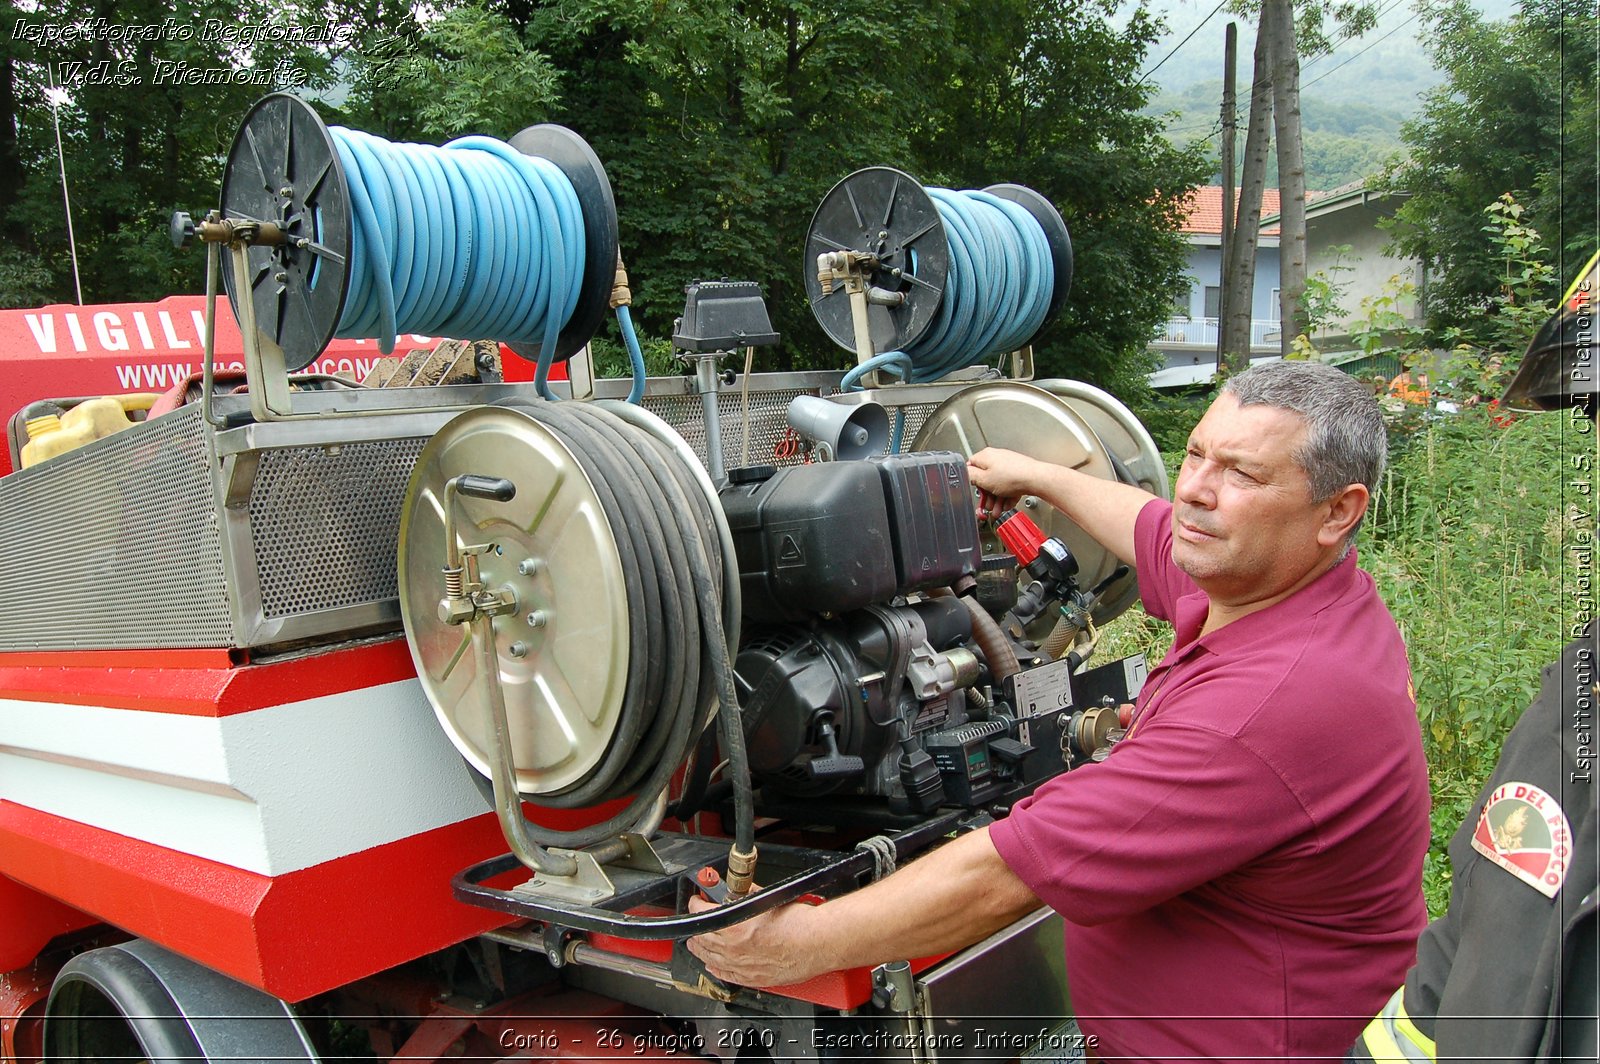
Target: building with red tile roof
[1188, 343]
[1204, 210]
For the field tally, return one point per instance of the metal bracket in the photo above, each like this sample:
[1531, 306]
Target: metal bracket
[893, 989]
[264, 361]
[639, 855]
[588, 884]
[1022, 363]
[849, 270]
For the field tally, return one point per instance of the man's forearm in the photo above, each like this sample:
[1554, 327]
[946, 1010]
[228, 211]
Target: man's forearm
[951, 898]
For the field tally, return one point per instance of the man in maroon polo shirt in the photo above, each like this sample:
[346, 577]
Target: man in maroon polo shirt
[1242, 876]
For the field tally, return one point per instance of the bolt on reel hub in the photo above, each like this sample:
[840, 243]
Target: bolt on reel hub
[284, 170]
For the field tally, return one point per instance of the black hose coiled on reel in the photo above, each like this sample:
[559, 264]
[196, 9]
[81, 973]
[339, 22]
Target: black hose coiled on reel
[667, 539]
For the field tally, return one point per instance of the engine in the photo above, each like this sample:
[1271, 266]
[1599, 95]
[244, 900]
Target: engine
[859, 673]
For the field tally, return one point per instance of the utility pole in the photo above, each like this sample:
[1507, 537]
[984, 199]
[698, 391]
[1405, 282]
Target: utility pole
[1230, 62]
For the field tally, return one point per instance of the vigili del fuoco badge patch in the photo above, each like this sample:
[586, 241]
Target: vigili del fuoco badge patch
[1524, 831]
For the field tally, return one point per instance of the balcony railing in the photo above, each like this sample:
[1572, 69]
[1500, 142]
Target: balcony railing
[1203, 332]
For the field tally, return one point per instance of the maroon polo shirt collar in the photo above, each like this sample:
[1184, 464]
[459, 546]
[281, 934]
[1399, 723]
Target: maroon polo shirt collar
[1191, 610]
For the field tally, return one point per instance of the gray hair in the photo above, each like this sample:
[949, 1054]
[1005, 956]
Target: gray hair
[1346, 442]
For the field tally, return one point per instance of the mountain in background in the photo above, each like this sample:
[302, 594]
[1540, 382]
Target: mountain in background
[1353, 99]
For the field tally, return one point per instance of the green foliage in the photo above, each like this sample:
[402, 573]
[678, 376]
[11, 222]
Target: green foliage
[465, 72]
[1346, 136]
[1527, 291]
[1169, 417]
[23, 279]
[1323, 302]
[611, 358]
[1468, 554]
[1517, 114]
[140, 139]
[1382, 327]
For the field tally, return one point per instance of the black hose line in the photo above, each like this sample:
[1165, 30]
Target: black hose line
[698, 778]
[679, 670]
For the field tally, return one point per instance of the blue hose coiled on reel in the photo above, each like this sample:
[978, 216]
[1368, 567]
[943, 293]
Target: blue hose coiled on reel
[996, 295]
[471, 239]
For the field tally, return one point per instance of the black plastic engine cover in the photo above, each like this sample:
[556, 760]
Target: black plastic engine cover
[932, 517]
[811, 539]
[840, 536]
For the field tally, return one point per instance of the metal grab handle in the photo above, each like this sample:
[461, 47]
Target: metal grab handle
[464, 605]
[507, 799]
[496, 489]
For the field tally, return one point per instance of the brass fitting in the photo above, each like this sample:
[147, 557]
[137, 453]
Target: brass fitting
[741, 871]
[621, 294]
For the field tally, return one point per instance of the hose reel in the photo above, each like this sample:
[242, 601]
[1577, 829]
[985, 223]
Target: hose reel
[287, 177]
[891, 265]
[611, 551]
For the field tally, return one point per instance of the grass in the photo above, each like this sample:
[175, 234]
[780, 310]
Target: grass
[1470, 543]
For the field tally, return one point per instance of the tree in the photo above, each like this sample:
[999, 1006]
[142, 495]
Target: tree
[1275, 97]
[145, 125]
[468, 70]
[1046, 95]
[1239, 270]
[1291, 170]
[1516, 114]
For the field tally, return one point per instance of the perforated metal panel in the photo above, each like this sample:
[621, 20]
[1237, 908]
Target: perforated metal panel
[768, 423]
[129, 542]
[324, 522]
[115, 544]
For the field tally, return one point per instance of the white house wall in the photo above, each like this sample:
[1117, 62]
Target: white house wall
[1372, 266]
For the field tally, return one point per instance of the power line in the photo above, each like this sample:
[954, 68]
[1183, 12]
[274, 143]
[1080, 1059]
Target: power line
[1377, 18]
[1361, 53]
[1181, 43]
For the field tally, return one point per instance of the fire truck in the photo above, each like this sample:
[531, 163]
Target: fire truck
[344, 721]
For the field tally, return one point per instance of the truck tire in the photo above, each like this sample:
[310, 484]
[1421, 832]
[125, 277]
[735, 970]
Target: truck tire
[139, 1002]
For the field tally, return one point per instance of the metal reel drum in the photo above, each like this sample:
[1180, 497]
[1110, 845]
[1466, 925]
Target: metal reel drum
[564, 684]
[1135, 457]
[884, 212]
[1031, 421]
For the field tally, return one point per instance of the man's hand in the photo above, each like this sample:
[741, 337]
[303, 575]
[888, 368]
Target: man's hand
[1003, 477]
[1105, 509]
[765, 950]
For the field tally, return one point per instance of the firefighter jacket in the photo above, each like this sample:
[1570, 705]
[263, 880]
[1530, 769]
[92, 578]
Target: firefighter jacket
[1509, 972]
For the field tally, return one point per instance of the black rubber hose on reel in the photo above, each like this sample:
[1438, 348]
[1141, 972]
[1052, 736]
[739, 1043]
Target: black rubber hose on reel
[671, 553]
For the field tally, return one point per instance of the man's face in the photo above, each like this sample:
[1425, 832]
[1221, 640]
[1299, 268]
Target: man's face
[1244, 526]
